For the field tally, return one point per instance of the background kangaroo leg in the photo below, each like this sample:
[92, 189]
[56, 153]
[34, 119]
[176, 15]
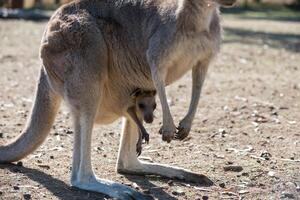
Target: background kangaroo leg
[155, 51]
[128, 162]
[83, 176]
[76, 150]
[83, 87]
[127, 157]
[198, 74]
[168, 129]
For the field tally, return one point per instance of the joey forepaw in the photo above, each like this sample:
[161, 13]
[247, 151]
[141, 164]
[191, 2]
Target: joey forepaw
[146, 137]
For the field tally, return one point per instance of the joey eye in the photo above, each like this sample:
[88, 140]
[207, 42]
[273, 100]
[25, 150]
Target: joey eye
[141, 106]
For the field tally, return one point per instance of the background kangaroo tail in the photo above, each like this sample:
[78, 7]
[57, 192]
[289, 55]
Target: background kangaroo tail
[38, 126]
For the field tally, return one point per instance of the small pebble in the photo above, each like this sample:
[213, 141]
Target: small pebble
[290, 185]
[222, 185]
[27, 196]
[266, 155]
[51, 157]
[205, 198]
[16, 187]
[245, 174]
[44, 166]
[261, 185]
[287, 195]
[111, 133]
[170, 183]
[243, 191]
[234, 168]
[271, 173]
[178, 193]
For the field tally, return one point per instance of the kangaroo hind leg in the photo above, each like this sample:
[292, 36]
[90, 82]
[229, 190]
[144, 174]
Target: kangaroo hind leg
[84, 103]
[83, 88]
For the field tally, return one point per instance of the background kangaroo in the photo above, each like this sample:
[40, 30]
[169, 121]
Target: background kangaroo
[95, 53]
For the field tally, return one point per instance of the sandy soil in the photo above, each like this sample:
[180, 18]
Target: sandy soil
[249, 115]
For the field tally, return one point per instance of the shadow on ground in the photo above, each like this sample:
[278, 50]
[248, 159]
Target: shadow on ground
[290, 42]
[158, 192]
[57, 187]
[145, 184]
[64, 191]
[265, 12]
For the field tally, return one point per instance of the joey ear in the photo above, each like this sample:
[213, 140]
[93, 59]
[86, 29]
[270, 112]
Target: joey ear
[136, 92]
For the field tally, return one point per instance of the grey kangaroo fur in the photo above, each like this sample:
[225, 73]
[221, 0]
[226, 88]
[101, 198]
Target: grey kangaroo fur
[95, 53]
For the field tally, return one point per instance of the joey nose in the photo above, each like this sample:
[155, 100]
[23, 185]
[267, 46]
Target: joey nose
[148, 118]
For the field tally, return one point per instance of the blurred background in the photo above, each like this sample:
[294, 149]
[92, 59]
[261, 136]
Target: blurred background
[274, 9]
[283, 5]
[27, 4]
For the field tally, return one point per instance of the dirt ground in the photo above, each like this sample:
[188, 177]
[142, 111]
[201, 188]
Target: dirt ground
[249, 116]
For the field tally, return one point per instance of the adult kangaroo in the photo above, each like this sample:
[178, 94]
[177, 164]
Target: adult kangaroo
[95, 53]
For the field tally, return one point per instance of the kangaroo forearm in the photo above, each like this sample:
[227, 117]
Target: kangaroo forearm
[160, 88]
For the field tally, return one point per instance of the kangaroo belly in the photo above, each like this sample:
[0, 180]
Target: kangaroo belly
[105, 117]
[178, 69]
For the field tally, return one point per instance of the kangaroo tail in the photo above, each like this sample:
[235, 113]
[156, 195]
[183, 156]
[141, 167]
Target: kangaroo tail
[38, 125]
